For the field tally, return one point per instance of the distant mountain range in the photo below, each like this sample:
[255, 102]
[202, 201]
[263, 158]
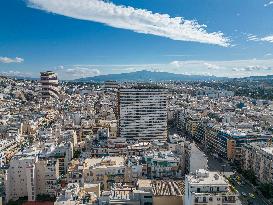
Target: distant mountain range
[258, 78]
[146, 76]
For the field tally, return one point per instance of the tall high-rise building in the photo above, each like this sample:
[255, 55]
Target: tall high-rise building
[49, 82]
[142, 113]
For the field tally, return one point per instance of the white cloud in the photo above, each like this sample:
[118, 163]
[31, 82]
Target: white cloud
[251, 37]
[232, 68]
[76, 72]
[253, 68]
[137, 20]
[268, 4]
[11, 60]
[15, 73]
[268, 55]
[211, 66]
[268, 39]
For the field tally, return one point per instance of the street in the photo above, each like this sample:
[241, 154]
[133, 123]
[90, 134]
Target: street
[219, 165]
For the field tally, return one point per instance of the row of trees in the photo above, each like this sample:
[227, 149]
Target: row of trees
[265, 188]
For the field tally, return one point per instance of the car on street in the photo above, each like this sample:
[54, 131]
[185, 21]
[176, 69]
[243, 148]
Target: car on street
[252, 196]
[244, 194]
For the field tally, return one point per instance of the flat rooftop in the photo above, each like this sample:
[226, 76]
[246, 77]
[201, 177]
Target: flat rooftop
[203, 177]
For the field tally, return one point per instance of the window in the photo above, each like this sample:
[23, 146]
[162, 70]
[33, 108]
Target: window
[196, 199]
[204, 199]
[147, 197]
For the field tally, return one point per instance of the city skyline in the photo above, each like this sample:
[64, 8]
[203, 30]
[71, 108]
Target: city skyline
[86, 38]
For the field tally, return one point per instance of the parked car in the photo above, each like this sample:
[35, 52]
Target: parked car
[243, 194]
[251, 195]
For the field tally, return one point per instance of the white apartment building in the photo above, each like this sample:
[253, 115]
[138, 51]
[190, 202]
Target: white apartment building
[20, 179]
[49, 83]
[258, 157]
[210, 188]
[142, 113]
[29, 176]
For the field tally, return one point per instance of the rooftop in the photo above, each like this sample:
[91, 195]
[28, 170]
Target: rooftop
[203, 177]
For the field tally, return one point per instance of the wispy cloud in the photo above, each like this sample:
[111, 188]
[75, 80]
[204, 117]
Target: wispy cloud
[15, 73]
[137, 20]
[75, 72]
[253, 68]
[232, 68]
[212, 66]
[11, 60]
[268, 4]
[268, 39]
[251, 37]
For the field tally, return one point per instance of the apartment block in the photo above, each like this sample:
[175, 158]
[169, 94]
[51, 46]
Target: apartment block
[210, 188]
[142, 113]
[258, 157]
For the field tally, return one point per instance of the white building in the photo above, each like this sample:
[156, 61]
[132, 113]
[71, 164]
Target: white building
[20, 179]
[29, 176]
[163, 164]
[142, 113]
[204, 187]
[70, 195]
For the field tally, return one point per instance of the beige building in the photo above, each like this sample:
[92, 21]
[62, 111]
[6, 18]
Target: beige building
[258, 157]
[105, 171]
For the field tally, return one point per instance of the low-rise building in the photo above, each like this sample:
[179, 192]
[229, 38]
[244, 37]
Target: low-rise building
[204, 187]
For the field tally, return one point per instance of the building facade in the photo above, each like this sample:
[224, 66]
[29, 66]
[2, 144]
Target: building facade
[49, 83]
[142, 114]
[258, 157]
[204, 187]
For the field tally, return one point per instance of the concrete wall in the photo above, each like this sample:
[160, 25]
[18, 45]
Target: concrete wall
[165, 200]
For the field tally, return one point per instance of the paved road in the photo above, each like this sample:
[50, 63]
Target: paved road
[219, 165]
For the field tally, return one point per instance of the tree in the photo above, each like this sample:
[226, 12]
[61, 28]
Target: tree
[77, 154]
[267, 190]
[250, 176]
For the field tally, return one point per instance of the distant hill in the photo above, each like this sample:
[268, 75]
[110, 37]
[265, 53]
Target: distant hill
[267, 77]
[19, 77]
[145, 76]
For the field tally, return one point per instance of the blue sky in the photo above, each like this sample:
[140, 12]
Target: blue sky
[78, 38]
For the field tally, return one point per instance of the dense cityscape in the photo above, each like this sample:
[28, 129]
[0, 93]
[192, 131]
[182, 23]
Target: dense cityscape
[136, 102]
[140, 143]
